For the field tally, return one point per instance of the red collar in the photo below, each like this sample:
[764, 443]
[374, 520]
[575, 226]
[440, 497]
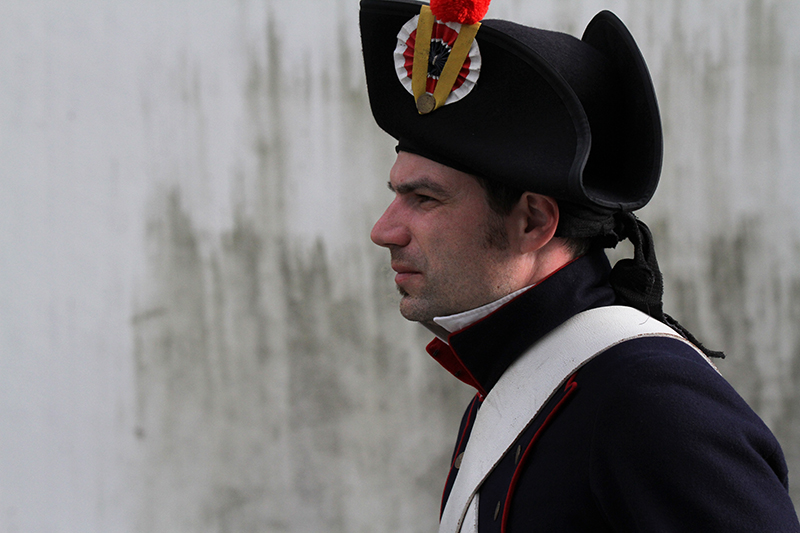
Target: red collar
[445, 356]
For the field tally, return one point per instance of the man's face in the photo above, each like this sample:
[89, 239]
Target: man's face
[449, 249]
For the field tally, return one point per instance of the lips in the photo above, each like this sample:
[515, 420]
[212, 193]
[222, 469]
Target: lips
[402, 277]
[404, 273]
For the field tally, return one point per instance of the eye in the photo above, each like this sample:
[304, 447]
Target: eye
[424, 201]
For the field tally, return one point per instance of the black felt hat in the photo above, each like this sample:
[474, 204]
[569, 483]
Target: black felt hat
[575, 119]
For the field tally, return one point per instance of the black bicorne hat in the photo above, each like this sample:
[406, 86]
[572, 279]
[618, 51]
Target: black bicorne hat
[575, 119]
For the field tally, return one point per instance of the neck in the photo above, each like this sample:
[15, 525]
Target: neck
[545, 261]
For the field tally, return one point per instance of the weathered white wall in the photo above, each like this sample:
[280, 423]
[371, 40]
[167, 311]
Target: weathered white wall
[196, 333]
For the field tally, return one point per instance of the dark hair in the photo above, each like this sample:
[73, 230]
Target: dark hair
[502, 198]
[637, 282]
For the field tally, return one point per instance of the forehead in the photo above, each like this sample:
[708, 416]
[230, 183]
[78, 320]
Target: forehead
[412, 170]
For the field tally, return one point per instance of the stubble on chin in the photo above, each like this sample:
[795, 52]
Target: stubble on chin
[407, 308]
[415, 309]
[428, 304]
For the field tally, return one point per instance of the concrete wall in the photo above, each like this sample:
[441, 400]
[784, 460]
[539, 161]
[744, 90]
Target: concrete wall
[196, 333]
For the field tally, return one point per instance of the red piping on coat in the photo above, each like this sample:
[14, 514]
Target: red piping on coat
[570, 387]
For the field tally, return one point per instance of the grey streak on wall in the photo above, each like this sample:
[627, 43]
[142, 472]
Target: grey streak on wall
[270, 393]
[731, 256]
[250, 425]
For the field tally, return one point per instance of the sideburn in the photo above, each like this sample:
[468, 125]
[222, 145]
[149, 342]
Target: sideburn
[495, 232]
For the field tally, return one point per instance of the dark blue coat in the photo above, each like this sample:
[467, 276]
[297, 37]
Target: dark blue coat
[645, 437]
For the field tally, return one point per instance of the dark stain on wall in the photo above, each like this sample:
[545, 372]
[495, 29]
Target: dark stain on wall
[750, 298]
[728, 257]
[261, 396]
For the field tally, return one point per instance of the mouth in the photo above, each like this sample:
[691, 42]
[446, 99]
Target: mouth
[404, 274]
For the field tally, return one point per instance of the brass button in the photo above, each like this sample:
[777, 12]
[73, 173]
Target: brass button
[426, 103]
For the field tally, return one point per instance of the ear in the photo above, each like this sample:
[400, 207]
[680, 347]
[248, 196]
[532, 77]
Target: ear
[536, 219]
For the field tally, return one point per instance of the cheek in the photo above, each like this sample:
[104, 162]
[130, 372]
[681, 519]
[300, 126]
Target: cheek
[457, 245]
[452, 243]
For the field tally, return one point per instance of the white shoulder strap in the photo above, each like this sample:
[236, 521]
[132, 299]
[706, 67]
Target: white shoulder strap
[526, 386]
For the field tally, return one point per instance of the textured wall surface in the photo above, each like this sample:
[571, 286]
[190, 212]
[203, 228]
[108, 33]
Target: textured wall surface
[196, 334]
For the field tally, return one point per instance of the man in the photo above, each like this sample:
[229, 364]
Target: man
[522, 154]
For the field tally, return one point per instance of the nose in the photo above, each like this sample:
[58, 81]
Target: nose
[390, 230]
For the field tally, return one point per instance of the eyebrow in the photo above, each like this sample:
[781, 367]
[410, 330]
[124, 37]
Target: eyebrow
[415, 185]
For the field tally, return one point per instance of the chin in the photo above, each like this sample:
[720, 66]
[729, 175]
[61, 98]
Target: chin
[413, 311]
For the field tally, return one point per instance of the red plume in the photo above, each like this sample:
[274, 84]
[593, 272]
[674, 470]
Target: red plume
[463, 11]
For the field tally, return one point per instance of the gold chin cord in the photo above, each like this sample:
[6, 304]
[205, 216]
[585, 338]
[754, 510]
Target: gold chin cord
[427, 102]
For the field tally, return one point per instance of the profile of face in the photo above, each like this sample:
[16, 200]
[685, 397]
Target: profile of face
[449, 249]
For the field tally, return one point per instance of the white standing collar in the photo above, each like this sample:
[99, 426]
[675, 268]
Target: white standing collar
[459, 321]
